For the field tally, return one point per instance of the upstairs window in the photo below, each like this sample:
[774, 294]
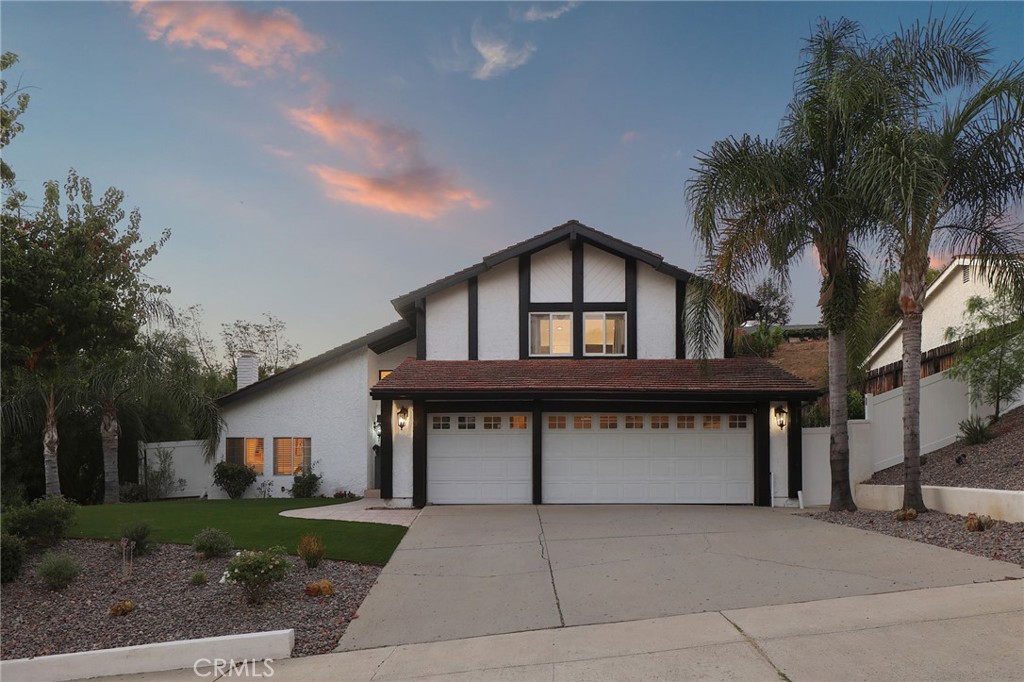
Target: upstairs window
[247, 451]
[550, 334]
[604, 333]
[291, 456]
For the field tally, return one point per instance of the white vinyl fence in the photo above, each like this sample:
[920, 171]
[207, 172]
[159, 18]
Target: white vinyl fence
[193, 474]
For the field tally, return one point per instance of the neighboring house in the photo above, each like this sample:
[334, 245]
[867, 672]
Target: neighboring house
[556, 370]
[944, 305]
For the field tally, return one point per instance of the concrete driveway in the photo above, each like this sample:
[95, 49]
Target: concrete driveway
[473, 571]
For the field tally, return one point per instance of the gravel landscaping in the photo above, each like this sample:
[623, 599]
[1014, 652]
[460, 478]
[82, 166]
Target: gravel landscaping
[998, 464]
[37, 621]
[1003, 541]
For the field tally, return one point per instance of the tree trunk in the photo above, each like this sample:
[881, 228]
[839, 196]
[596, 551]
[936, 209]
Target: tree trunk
[50, 443]
[839, 435]
[912, 496]
[110, 433]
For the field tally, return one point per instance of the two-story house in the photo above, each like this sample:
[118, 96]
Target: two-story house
[557, 370]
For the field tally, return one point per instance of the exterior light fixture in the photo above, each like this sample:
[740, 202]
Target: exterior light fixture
[780, 416]
[377, 428]
[403, 417]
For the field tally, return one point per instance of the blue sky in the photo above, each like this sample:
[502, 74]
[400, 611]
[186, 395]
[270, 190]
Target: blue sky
[315, 160]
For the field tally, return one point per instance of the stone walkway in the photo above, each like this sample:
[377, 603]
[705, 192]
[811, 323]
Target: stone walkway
[366, 510]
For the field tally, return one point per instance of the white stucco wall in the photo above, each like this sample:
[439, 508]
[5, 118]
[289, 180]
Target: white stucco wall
[655, 314]
[551, 274]
[604, 276]
[497, 313]
[328, 405]
[448, 324]
[389, 359]
[401, 454]
[944, 307]
[778, 442]
[718, 350]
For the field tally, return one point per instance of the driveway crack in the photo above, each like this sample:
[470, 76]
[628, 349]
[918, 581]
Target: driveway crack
[757, 647]
[546, 555]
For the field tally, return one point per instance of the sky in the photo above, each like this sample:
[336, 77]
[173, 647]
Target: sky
[315, 160]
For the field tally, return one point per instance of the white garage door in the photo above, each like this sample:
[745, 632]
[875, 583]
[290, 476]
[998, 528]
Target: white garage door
[647, 458]
[479, 459]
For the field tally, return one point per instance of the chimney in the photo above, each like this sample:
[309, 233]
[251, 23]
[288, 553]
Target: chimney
[247, 369]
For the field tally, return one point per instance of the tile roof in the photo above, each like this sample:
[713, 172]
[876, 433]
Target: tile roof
[732, 376]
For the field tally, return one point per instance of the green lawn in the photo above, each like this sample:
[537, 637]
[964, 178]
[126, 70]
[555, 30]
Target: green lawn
[252, 524]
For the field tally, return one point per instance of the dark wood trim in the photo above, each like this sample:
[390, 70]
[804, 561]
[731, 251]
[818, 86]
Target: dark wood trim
[419, 454]
[795, 448]
[387, 467]
[631, 321]
[680, 320]
[550, 307]
[630, 396]
[421, 329]
[762, 455]
[638, 406]
[577, 297]
[474, 316]
[537, 454]
[524, 307]
[521, 406]
[569, 307]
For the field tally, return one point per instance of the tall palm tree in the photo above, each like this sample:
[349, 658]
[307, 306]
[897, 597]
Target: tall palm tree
[760, 204]
[943, 169]
[159, 365]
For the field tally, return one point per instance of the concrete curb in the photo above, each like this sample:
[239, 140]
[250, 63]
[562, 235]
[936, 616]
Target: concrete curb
[145, 658]
[1004, 505]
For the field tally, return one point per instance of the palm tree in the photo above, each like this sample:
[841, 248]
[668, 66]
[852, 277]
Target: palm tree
[759, 204]
[944, 175]
[160, 366]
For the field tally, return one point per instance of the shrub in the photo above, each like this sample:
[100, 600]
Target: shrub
[306, 485]
[762, 342]
[319, 588]
[198, 578]
[122, 608]
[212, 542]
[345, 495]
[255, 572]
[976, 431]
[138, 532]
[234, 479]
[977, 523]
[42, 523]
[12, 557]
[312, 550]
[908, 514]
[132, 492]
[58, 569]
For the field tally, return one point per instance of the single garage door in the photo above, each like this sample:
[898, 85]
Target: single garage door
[479, 459]
[648, 458]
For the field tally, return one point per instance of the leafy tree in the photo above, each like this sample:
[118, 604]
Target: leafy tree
[266, 339]
[942, 170]
[72, 290]
[760, 203]
[776, 303]
[12, 105]
[991, 359]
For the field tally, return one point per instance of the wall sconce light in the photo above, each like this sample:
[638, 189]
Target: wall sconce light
[377, 428]
[403, 417]
[780, 416]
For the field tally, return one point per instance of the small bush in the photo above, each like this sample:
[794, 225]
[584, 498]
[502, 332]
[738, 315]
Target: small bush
[978, 524]
[306, 485]
[255, 572]
[908, 514]
[122, 608]
[42, 523]
[138, 532]
[198, 578]
[132, 492]
[212, 542]
[234, 479]
[312, 549]
[976, 431]
[319, 588]
[58, 570]
[12, 557]
[762, 342]
[345, 495]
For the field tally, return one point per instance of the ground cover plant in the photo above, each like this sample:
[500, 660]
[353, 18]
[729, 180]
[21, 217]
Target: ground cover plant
[252, 524]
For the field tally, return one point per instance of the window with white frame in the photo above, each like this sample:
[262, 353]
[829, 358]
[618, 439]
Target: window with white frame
[467, 423]
[247, 451]
[441, 422]
[604, 333]
[492, 422]
[291, 456]
[550, 334]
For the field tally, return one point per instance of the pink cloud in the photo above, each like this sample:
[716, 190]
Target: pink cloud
[937, 261]
[403, 181]
[424, 192]
[258, 40]
[629, 136]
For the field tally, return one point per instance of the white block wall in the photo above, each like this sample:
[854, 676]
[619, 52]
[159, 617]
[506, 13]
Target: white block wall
[604, 276]
[497, 313]
[448, 324]
[551, 275]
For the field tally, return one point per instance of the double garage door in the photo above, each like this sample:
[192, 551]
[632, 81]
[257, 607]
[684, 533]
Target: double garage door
[486, 458]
